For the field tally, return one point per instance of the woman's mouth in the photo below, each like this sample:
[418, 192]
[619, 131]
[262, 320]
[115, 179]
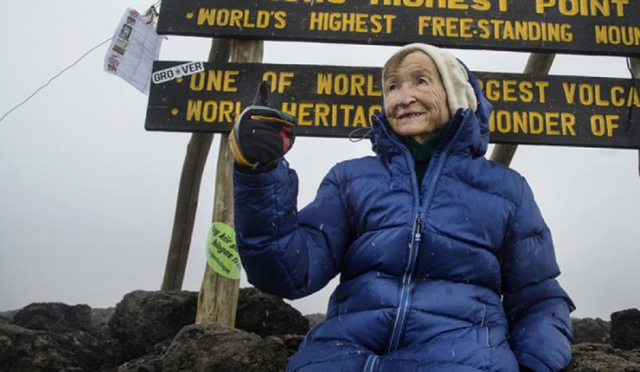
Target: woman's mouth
[410, 115]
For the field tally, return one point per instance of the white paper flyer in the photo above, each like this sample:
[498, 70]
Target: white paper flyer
[134, 47]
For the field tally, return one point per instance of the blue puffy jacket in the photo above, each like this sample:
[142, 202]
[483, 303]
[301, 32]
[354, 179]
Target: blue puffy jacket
[457, 275]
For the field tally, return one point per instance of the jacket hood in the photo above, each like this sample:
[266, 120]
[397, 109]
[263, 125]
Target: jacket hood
[472, 125]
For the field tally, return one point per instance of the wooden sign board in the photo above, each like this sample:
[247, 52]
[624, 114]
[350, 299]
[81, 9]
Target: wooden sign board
[333, 101]
[553, 26]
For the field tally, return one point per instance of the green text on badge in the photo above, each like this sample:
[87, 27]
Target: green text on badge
[222, 254]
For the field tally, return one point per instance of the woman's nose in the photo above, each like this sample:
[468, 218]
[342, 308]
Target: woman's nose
[406, 96]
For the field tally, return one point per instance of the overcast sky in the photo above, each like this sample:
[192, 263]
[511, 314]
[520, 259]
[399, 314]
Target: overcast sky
[87, 196]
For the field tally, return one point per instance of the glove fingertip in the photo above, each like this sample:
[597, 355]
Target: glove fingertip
[262, 94]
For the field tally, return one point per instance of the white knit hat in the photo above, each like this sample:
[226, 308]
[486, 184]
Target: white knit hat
[454, 76]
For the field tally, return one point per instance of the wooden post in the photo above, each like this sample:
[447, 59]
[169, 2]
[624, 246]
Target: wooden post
[218, 298]
[188, 192]
[538, 63]
[634, 65]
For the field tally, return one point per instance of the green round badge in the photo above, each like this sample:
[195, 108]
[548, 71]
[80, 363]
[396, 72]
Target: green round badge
[222, 254]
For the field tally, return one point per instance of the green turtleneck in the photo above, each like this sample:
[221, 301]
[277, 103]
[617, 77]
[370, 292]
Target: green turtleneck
[422, 152]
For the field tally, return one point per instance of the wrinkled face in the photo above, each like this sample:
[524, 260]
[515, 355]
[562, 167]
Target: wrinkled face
[415, 99]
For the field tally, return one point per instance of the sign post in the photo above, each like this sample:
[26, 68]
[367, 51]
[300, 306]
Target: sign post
[188, 192]
[218, 298]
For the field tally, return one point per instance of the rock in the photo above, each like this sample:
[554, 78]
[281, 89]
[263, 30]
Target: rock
[268, 315]
[216, 347]
[590, 330]
[100, 321]
[315, 319]
[625, 329]
[603, 358]
[143, 319]
[26, 350]
[154, 332]
[151, 362]
[54, 317]
[7, 316]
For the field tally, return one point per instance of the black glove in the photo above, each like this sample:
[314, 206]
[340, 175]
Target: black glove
[261, 135]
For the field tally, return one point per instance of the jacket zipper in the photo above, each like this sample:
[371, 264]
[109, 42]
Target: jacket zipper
[371, 362]
[406, 285]
[401, 316]
[417, 236]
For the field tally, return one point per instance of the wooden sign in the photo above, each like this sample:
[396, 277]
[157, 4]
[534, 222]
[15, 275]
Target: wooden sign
[557, 26]
[333, 101]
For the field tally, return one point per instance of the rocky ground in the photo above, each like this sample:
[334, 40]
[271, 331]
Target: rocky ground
[155, 332]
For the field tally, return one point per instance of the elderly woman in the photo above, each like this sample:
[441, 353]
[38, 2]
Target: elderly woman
[445, 261]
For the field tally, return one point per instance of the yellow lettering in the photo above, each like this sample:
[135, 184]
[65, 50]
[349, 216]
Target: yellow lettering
[280, 18]
[542, 4]
[483, 26]
[322, 114]
[481, 5]
[343, 84]
[569, 92]
[542, 86]
[206, 16]
[262, 21]
[514, 91]
[423, 22]
[585, 93]
[213, 111]
[526, 95]
[620, 6]
[351, 22]
[438, 24]
[492, 95]
[536, 122]
[533, 122]
[278, 81]
[466, 25]
[568, 121]
[226, 112]
[599, 100]
[458, 4]
[359, 117]
[551, 123]
[214, 80]
[229, 79]
[605, 8]
[509, 90]
[197, 82]
[616, 91]
[304, 113]
[617, 35]
[324, 83]
[604, 124]
[194, 109]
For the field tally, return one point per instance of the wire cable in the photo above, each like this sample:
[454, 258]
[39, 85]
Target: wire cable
[57, 75]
